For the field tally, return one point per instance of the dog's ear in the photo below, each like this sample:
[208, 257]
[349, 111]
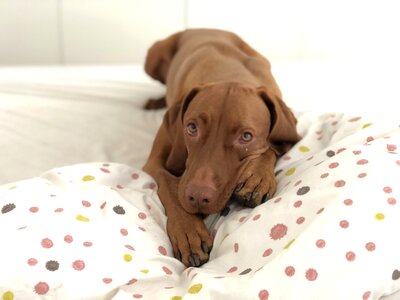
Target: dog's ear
[173, 120]
[283, 134]
[159, 57]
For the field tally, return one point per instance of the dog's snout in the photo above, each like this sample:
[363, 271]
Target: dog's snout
[200, 196]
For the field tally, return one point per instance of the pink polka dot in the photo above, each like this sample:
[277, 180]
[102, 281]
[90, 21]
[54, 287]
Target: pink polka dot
[362, 162]
[278, 231]
[166, 270]
[277, 200]
[333, 165]
[135, 176]
[340, 183]
[300, 220]
[41, 288]
[289, 271]
[366, 295]
[34, 209]
[119, 186]
[152, 185]
[387, 189]
[103, 205]
[263, 295]
[162, 250]
[324, 175]
[32, 262]
[391, 201]
[58, 210]
[362, 175]
[132, 281]
[391, 147]
[137, 296]
[47, 243]
[355, 119]
[370, 139]
[370, 246]
[105, 170]
[129, 247]
[78, 265]
[344, 224]
[86, 203]
[107, 280]
[297, 182]
[142, 215]
[267, 252]
[348, 202]
[356, 152]
[298, 203]
[340, 150]
[142, 228]
[87, 244]
[287, 157]
[256, 217]
[68, 239]
[398, 162]
[236, 247]
[350, 256]
[311, 274]
[232, 269]
[123, 231]
[320, 243]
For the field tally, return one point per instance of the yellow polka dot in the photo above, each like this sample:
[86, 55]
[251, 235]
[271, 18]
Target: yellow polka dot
[82, 218]
[366, 125]
[8, 296]
[304, 149]
[176, 298]
[87, 178]
[226, 235]
[289, 244]
[379, 216]
[12, 187]
[127, 257]
[290, 171]
[144, 271]
[194, 289]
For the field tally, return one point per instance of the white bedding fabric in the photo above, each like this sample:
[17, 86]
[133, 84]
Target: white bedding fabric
[96, 230]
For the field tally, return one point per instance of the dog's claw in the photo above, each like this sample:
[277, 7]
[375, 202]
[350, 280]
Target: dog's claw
[265, 198]
[194, 260]
[204, 247]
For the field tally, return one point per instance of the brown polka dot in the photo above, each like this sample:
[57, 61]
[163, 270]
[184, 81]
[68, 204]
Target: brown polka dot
[52, 265]
[247, 271]
[330, 153]
[119, 210]
[396, 274]
[7, 208]
[303, 190]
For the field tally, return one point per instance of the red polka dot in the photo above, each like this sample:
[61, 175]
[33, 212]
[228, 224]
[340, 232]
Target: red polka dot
[398, 162]
[233, 269]
[370, 246]
[324, 175]
[78, 265]
[333, 165]
[350, 256]
[32, 262]
[366, 295]
[137, 296]
[263, 295]
[135, 176]
[68, 239]
[34, 209]
[277, 200]
[287, 157]
[162, 250]
[391, 201]
[298, 203]
[357, 152]
[42, 288]
[132, 281]
[340, 183]
[348, 202]
[142, 215]
[119, 186]
[278, 231]
[107, 280]
[86, 203]
[297, 182]
[58, 210]
[256, 217]
[105, 170]
[391, 147]
[387, 189]
[242, 219]
[320, 243]
[167, 271]
[355, 119]
[362, 162]
[344, 224]
[311, 274]
[289, 271]
[236, 247]
[103, 205]
[124, 232]
[47, 243]
[267, 252]
[362, 175]
[87, 244]
[370, 139]
[129, 247]
[300, 220]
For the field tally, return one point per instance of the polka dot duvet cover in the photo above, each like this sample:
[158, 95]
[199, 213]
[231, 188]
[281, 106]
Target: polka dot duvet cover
[97, 231]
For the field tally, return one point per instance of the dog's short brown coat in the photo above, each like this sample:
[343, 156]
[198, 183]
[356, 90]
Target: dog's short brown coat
[225, 125]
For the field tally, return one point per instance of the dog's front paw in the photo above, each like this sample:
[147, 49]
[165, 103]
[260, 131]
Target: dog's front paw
[190, 239]
[256, 184]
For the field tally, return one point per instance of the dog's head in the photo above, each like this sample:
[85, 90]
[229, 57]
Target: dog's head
[222, 127]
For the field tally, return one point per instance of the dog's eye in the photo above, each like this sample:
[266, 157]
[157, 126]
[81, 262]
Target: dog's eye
[246, 137]
[191, 129]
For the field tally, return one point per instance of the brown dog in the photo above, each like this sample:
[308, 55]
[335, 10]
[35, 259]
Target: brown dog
[224, 128]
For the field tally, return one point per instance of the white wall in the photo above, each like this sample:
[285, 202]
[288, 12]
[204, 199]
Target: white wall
[120, 31]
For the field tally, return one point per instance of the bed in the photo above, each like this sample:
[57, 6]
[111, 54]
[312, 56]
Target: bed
[80, 220]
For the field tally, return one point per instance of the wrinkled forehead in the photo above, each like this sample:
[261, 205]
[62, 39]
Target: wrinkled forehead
[235, 106]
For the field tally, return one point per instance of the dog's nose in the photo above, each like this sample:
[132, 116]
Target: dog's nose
[200, 196]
